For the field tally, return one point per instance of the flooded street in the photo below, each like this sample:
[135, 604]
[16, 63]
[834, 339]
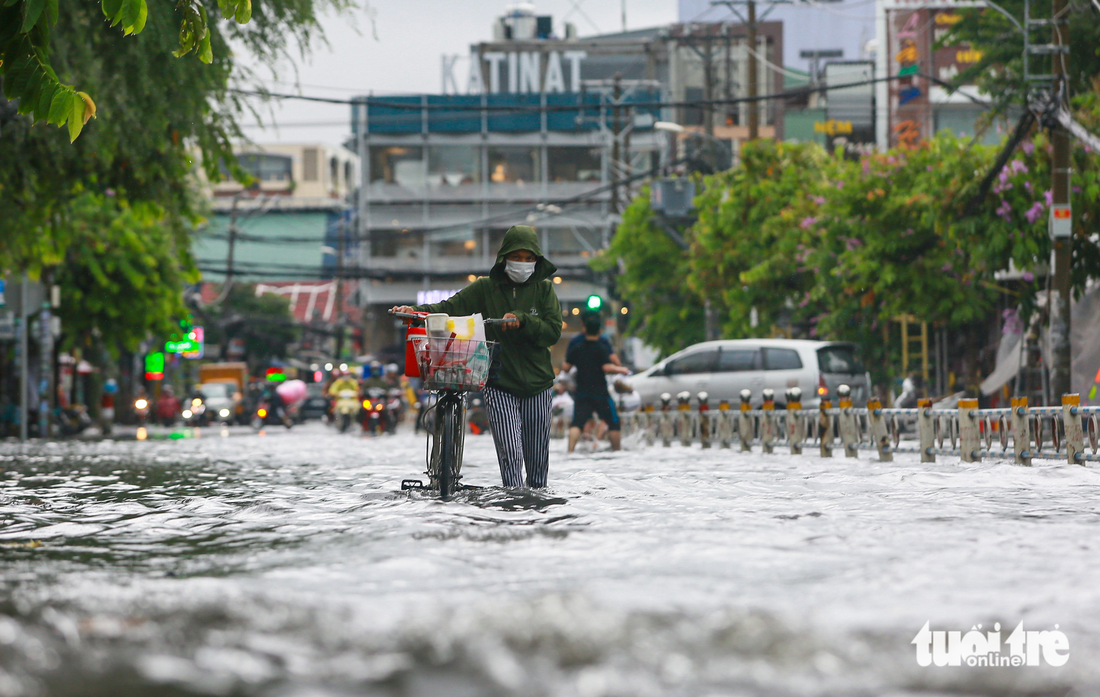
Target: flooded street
[291, 564]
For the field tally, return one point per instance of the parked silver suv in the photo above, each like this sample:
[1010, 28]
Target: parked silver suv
[723, 368]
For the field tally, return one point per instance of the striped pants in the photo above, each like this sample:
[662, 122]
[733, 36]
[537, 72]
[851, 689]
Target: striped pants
[521, 434]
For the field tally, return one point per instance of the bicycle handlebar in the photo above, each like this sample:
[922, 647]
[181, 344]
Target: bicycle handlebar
[422, 315]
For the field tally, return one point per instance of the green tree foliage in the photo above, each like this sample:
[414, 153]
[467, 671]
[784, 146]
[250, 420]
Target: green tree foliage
[834, 247]
[665, 312]
[120, 262]
[745, 216]
[29, 75]
[160, 117]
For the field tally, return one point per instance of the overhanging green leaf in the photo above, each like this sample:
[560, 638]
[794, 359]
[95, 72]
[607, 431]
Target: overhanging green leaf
[206, 53]
[60, 106]
[32, 10]
[244, 11]
[45, 100]
[76, 117]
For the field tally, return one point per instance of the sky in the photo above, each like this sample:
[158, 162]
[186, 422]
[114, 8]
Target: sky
[412, 35]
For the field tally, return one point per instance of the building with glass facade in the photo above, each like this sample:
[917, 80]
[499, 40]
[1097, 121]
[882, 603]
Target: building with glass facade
[445, 176]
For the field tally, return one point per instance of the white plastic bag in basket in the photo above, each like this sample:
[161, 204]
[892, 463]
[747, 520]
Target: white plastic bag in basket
[467, 332]
[468, 328]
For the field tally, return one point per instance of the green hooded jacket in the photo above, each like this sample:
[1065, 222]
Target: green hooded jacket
[525, 366]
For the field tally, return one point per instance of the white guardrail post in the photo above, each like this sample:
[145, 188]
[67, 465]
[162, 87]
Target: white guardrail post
[666, 420]
[724, 430]
[651, 425]
[744, 422]
[1075, 437]
[970, 442]
[684, 420]
[1021, 434]
[706, 422]
[826, 428]
[847, 422]
[767, 424]
[879, 434]
[926, 427]
[795, 431]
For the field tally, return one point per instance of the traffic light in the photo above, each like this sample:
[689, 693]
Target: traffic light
[594, 303]
[154, 366]
[275, 374]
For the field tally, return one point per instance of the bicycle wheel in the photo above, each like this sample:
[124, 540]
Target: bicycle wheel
[448, 451]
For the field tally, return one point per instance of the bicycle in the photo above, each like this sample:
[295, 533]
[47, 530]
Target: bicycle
[450, 367]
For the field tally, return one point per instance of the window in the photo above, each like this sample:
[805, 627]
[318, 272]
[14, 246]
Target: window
[402, 245]
[309, 165]
[268, 168]
[572, 241]
[514, 164]
[698, 362]
[781, 359]
[451, 165]
[573, 164]
[217, 390]
[333, 172]
[456, 243]
[692, 116]
[738, 360]
[839, 359]
[397, 165]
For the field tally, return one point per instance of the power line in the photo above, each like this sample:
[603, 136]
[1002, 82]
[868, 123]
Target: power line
[539, 108]
[583, 197]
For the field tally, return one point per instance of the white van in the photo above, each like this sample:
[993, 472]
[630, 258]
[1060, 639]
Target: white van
[723, 368]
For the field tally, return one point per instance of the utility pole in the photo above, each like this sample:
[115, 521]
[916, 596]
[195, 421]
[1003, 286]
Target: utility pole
[752, 83]
[708, 87]
[616, 148]
[45, 359]
[753, 87]
[1060, 190]
[24, 359]
[229, 256]
[339, 287]
[710, 323]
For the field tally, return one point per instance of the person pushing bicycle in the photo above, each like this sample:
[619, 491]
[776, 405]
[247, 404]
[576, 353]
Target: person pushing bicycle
[519, 391]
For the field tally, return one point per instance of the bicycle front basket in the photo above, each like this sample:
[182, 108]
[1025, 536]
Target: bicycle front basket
[453, 364]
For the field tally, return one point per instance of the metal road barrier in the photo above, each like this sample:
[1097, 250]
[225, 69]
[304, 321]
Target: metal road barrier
[968, 432]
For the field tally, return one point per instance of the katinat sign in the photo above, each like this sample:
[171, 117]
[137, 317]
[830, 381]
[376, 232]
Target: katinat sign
[529, 72]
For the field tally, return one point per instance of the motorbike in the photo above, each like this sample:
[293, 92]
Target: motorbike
[141, 410]
[373, 406]
[195, 413]
[270, 413]
[394, 410]
[346, 408]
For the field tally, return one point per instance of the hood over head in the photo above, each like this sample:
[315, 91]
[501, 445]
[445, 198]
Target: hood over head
[522, 237]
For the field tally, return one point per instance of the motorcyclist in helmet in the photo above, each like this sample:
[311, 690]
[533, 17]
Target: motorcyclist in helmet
[376, 378]
[343, 381]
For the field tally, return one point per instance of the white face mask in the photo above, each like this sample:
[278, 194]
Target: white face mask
[519, 271]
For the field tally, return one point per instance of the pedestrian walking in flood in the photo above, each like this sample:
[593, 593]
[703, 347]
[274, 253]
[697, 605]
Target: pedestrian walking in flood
[519, 389]
[593, 360]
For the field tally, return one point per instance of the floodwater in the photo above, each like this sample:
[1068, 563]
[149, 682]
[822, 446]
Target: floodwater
[291, 565]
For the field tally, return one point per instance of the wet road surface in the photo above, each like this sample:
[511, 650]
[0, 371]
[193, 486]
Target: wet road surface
[291, 564]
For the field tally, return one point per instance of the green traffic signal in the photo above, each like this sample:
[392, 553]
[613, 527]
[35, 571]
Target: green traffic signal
[594, 303]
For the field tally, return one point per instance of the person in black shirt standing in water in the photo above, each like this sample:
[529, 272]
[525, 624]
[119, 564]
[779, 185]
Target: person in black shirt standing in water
[592, 357]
